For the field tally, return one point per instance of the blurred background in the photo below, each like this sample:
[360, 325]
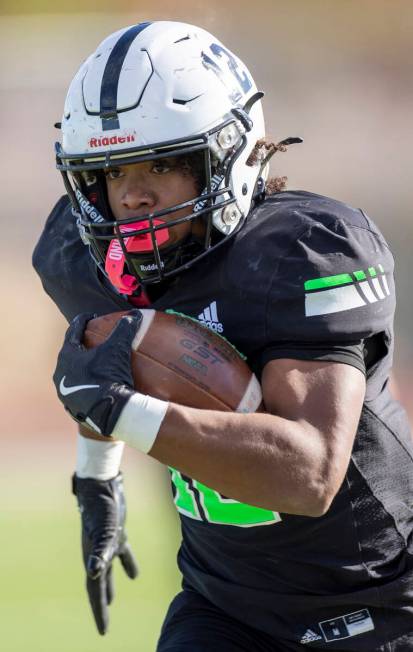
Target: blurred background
[337, 73]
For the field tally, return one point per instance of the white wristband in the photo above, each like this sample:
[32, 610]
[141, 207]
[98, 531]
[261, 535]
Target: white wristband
[140, 420]
[99, 460]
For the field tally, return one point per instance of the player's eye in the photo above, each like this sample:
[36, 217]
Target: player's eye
[113, 173]
[162, 166]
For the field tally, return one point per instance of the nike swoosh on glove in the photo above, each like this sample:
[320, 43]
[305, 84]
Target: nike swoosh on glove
[95, 384]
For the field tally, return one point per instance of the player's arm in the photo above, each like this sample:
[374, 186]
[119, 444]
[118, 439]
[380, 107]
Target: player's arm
[292, 460]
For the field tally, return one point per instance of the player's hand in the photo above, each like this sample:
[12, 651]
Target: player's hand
[95, 384]
[103, 511]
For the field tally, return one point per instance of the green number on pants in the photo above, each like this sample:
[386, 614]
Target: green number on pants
[217, 508]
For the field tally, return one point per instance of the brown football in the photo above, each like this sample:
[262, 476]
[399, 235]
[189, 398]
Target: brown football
[177, 359]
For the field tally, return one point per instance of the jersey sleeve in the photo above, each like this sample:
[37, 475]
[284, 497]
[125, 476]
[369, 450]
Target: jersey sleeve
[351, 353]
[333, 296]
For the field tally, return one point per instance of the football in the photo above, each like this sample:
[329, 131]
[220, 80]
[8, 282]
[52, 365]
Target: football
[175, 358]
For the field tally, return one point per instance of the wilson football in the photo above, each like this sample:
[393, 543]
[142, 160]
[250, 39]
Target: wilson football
[175, 358]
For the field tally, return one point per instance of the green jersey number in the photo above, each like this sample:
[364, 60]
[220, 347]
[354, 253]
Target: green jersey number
[190, 494]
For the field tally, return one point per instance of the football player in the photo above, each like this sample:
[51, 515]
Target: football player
[296, 523]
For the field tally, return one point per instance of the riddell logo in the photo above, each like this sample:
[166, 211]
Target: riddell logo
[104, 141]
[88, 208]
[151, 268]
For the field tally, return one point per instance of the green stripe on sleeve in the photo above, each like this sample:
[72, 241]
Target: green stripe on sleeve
[372, 272]
[360, 275]
[327, 282]
[381, 269]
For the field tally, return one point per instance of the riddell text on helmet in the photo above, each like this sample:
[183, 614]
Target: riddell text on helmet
[111, 140]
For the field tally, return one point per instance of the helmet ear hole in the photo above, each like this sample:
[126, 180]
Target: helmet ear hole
[90, 178]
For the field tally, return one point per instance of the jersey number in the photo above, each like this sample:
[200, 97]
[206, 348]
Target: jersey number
[197, 501]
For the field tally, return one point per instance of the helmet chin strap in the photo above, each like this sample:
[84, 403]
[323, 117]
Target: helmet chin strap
[115, 258]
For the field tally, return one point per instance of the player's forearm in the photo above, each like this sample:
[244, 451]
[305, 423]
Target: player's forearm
[262, 460]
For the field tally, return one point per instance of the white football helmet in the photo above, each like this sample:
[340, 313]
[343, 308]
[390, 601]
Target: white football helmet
[150, 91]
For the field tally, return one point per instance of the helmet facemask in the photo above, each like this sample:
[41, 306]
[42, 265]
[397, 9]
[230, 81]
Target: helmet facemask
[139, 244]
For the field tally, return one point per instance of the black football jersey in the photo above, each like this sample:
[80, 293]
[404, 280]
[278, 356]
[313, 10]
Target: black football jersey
[310, 278]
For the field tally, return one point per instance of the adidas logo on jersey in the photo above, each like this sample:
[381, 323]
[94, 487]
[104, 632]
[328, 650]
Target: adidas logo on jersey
[310, 636]
[209, 317]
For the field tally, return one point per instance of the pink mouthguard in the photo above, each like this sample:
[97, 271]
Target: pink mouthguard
[115, 258]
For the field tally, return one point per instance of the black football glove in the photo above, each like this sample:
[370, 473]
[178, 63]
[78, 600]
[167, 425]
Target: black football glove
[103, 511]
[95, 384]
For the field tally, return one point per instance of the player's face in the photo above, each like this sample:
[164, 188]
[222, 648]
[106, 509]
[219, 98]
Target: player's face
[141, 188]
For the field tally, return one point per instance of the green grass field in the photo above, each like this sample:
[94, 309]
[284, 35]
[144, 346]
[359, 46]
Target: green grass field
[43, 604]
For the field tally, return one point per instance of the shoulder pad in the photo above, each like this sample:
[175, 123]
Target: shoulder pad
[335, 280]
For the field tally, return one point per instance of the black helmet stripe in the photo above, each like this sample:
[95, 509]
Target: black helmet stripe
[111, 74]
